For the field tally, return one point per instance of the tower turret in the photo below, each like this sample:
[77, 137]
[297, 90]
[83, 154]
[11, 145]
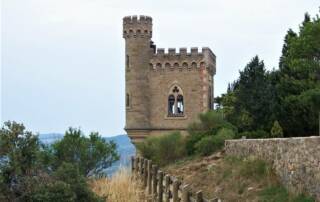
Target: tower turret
[139, 48]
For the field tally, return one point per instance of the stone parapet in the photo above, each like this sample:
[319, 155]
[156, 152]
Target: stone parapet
[171, 59]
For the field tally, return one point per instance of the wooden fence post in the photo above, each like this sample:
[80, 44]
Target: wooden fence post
[145, 174]
[137, 165]
[154, 181]
[175, 191]
[141, 166]
[149, 177]
[185, 193]
[132, 164]
[167, 188]
[199, 196]
[160, 186]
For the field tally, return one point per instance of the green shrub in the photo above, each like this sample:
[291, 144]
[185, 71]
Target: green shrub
[71, 174]
[276, 130]
[52, 192]
[212, 143]
[209, 124]
[206, 146]
[163, 149]
[191, 141]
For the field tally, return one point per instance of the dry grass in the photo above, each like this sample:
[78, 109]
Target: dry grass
[122, 187]
[230, 179]
[233, 179]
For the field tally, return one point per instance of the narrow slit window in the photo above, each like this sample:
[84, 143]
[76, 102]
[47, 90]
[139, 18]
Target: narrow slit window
[127, 100]
[127, 61]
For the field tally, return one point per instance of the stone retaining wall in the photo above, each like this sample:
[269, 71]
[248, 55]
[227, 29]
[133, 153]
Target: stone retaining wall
[295, 160]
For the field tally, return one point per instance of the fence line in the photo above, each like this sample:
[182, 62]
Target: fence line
[161, 187]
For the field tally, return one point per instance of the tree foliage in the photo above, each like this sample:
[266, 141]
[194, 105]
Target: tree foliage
[30, 171]
[91, 154]
[289, 94]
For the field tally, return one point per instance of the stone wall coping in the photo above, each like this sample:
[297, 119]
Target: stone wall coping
[276, 139]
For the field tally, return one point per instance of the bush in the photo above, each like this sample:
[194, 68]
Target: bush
[52, 192]
[191, 141]
[212, 143]
[210, 123]
[163, 149]
[70, 174]
[276, 130]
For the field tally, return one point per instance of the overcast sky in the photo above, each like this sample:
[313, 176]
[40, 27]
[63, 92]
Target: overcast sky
[62, 61]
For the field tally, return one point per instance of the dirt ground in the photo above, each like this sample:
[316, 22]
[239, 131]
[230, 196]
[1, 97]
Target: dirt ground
[221, 177]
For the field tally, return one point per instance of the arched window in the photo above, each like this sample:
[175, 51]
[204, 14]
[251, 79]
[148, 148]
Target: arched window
[194, 65]
[175, 102]
[202, 64]
[185, 65]
[127, 100]
[171, 107]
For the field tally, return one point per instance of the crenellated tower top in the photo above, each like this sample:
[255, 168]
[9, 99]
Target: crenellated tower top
[183, 59]
[137, 27]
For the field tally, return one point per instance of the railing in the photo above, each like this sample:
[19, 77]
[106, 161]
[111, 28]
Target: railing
[161, 187]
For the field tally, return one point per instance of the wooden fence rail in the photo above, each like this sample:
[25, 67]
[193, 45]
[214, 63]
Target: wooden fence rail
[161, 187]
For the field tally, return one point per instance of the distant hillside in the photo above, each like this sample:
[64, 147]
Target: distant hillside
[50, 138]
[124, 147]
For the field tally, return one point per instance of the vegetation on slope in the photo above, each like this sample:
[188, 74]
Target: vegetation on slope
[205, 137]
[232, 179]
[30, 171]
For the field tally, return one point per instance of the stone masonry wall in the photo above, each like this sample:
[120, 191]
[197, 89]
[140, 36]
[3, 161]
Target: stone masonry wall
[295, 160]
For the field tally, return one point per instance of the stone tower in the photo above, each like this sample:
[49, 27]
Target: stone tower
[137, 34]
[164, 91]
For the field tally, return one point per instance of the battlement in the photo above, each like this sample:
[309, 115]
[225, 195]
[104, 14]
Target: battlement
[183, 59]
[134, 26]
[194, 51]
[134, 19]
